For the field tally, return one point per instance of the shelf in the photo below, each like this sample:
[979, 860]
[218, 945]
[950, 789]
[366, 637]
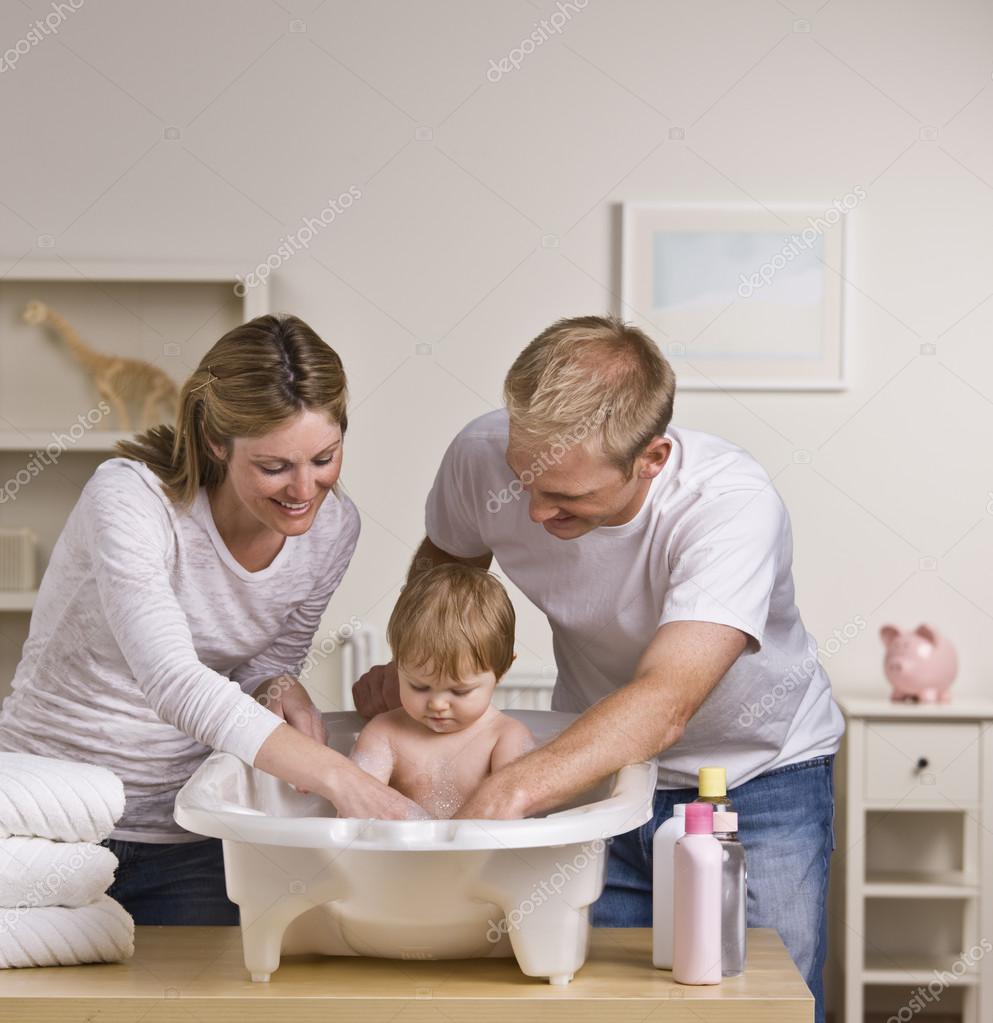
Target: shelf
[908, 805]
[909, 884]
[880, 969]
[38, 440]
[876, 708]
[17, 600]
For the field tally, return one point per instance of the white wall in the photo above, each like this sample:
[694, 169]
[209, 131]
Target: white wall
[461, 178]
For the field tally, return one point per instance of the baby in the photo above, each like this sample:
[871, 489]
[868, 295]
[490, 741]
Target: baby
[452, 636]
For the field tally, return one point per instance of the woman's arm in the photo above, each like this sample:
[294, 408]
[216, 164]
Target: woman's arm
[307, 764]
[286, 697]
[129, 536]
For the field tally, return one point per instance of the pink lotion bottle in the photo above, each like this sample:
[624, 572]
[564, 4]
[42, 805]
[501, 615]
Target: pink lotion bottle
[697, 903]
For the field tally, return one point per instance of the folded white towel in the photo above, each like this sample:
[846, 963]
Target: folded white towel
[59, 799]
[40, 872]
[101, 932]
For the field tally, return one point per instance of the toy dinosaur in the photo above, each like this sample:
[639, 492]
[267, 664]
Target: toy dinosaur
[117, 378]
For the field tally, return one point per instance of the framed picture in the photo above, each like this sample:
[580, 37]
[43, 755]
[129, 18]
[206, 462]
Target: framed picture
[739, 297]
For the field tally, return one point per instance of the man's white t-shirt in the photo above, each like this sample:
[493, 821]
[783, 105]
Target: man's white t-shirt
[712, 542]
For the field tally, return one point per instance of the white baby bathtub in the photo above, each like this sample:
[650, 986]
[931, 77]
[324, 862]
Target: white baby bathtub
[307, 881]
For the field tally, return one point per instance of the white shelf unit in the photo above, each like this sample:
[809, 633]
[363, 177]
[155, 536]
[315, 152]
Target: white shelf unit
[168, 313]
[37, 440]
[916, 849]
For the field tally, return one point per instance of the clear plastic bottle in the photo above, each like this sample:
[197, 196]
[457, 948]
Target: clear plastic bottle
[696, 952]
[733, 894]
[713, 786]
[667, 835]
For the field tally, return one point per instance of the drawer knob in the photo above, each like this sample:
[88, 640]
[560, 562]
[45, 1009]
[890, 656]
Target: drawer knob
[922, 764]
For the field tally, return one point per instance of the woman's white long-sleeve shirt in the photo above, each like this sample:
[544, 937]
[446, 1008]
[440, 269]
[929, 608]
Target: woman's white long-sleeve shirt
[147, 638]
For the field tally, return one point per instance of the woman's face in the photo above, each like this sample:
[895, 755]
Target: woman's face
[282, 477]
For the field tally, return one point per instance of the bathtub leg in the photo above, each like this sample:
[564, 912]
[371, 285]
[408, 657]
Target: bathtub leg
[262, 936]
[552, 942]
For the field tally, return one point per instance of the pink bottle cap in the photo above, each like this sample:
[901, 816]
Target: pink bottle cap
[699, 819]
[725, 820]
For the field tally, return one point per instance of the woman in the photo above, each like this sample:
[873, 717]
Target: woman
[193, 572]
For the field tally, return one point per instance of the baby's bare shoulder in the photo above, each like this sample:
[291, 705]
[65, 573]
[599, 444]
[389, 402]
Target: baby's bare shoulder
[512, 730]
[383, 726]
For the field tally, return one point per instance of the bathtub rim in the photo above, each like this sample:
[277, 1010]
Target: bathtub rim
[200, 808]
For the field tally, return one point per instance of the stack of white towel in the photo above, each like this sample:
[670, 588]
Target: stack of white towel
[53, 874]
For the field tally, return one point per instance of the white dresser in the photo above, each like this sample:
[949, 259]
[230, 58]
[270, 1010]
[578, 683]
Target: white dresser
[915, 847]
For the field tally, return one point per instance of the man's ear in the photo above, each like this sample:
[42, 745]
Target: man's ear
[653, 457]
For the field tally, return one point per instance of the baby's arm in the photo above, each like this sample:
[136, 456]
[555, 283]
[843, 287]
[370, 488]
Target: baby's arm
[515, 740]
[373, 751]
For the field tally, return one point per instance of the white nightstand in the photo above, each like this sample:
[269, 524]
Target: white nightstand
[915, 845]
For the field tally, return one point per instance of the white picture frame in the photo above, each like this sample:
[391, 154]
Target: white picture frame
[739, 297]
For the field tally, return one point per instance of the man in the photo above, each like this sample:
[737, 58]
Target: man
[662, 558]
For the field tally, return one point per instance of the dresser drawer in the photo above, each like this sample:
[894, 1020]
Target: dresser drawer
[915, 763]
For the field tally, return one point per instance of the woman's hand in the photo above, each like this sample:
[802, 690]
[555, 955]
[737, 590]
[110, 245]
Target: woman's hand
[357, 794]
[287, 698]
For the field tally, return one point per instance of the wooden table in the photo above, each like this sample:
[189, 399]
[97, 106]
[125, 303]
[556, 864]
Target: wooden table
[196, 974]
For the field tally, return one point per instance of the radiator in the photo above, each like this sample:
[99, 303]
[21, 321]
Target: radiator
[17, 559]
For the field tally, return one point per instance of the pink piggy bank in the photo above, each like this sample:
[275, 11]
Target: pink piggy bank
[920, 665]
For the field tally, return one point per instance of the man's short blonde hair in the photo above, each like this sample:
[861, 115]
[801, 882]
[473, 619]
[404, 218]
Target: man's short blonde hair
[593, 380]
[455, 621]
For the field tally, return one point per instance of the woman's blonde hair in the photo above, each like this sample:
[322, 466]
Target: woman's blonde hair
[455, 620]
[255, 378]
[592, 379]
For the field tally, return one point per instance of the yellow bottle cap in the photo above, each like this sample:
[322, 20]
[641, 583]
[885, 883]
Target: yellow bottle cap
[713, 781]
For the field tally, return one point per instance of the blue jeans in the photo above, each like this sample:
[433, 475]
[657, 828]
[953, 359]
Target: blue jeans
[172, 883]
[785, 822]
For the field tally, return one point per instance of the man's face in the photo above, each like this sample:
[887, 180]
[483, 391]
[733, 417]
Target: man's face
[580, 490]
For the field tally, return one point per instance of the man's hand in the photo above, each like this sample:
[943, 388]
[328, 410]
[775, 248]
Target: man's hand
[681, 666]
[501, 796]
[377, 691]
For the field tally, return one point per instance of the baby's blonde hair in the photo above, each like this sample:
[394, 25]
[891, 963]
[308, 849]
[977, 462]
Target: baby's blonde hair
[594, 380]
[454, 620]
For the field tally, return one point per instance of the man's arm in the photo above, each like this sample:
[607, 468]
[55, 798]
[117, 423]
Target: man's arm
[378, 690]
[682, 664]
[428, 556]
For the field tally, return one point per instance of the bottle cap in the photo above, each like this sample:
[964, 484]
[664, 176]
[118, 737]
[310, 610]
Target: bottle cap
[713, 781]
[699, 819]
[679, 809]
[725, 820]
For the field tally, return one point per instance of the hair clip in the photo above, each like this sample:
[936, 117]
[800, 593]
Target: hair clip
[210, 379]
